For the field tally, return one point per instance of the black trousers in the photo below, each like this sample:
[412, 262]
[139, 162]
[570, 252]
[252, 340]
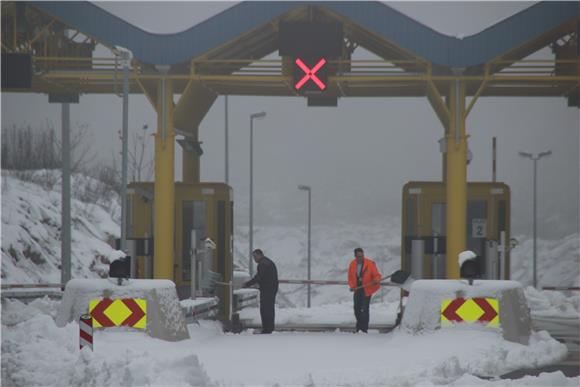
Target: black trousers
[267, 313]
[361, 310]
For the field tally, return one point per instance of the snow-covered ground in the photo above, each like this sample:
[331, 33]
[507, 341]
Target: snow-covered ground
[36, 352]
[380, 314]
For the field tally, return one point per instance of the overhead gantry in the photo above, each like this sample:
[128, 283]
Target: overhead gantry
[222, 57]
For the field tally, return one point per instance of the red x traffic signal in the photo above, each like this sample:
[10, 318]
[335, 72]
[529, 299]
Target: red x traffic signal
[308, 78]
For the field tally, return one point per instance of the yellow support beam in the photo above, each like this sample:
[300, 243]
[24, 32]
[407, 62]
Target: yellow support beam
[456, 179]
[436, 101]
[164, 201]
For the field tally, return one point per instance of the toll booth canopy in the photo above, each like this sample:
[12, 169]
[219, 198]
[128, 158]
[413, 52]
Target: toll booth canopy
[423, 246]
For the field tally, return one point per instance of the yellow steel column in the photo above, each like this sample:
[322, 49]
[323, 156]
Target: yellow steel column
[456, 179]
[164, 202]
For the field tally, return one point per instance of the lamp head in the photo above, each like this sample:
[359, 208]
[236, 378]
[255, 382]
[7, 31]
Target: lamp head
[258, 116]
[542, 154]
[304, 188]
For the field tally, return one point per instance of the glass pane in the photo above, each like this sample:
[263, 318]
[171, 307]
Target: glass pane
[194, 218]
[221, 238]
[438, 219]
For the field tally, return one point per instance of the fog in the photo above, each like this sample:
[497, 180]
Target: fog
[357, 156]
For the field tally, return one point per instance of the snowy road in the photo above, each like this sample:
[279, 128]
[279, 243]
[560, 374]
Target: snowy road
[339, 358]
[37, 352]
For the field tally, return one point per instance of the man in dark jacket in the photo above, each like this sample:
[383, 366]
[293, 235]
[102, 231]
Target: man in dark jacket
[267, 279]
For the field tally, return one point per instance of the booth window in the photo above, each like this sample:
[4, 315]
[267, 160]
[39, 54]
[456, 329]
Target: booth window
[194, 218]
[221, 238]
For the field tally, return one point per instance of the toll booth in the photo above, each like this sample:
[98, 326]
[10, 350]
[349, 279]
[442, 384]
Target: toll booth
[424, 228]
[202, 210]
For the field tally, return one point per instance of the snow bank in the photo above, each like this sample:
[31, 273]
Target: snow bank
[548, 303]
[165, 318]
[37, 352]
[423, 309]
[548, 379]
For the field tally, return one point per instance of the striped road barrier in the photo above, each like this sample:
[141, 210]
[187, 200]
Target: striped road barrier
[86, 331]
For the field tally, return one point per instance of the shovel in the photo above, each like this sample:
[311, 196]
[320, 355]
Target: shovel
[400, 278]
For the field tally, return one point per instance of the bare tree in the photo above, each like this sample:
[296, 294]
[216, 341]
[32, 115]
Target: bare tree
[140, 156]
[141, 160]
[26, 149]
[80, 145]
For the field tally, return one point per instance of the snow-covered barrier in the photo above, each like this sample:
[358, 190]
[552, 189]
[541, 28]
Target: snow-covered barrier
[436, 303]
[164, 317]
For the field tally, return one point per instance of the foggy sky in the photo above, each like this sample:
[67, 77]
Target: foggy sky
[357, 156]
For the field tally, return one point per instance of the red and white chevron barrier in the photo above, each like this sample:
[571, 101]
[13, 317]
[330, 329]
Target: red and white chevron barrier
[86, 331]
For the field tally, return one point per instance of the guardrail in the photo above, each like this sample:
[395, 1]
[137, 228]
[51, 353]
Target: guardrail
[323, 282]
[560, 288]
[30, 286]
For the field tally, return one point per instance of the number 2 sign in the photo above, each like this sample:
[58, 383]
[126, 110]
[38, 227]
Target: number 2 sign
[478, 228]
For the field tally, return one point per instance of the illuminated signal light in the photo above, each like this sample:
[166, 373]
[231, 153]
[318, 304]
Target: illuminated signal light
[310, 74]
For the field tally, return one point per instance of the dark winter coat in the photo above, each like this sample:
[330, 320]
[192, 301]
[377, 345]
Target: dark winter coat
[266, 277]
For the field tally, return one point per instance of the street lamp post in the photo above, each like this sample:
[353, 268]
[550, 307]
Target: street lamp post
[257, 116]
[126, 57]
[309, 190]
[535, 205]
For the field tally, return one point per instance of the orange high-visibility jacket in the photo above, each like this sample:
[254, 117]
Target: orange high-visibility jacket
[370, 273]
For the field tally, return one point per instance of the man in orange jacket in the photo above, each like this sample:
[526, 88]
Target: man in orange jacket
[364, 280]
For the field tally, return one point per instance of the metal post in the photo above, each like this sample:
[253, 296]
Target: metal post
[251, 229]
[65, 232]
[147, 260]
[227, 156]
[309, 237]
[125, 141]
[535, 194]
[535, 221]
[494, 162]
[193, 262]
[309, 191]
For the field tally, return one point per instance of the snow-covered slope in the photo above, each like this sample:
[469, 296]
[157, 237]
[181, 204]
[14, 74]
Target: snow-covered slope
[558, 261]
[332, 250]
[31, 218]
[31, 243]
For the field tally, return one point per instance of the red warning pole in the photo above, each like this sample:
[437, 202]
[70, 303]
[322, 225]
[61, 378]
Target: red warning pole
[86, 331]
